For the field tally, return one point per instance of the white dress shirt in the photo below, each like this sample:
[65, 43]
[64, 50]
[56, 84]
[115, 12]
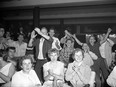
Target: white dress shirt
[40, 55]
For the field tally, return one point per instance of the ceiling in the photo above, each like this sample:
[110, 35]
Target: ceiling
[51, 3]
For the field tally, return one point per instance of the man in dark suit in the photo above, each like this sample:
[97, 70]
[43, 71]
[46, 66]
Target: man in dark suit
[42, 45]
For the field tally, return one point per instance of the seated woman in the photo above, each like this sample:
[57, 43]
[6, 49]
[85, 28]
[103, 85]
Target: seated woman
[111, 80]
[27, 76]
[7, 70]
[53, 71]
[78, 73]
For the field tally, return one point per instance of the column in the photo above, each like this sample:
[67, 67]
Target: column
[36, 17]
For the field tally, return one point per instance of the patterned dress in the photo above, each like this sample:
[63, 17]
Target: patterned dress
[66, 55]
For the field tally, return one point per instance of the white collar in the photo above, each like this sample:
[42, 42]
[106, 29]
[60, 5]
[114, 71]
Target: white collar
[42, 39]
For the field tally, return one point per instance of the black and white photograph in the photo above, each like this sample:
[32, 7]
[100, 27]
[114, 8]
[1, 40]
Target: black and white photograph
[57, 43]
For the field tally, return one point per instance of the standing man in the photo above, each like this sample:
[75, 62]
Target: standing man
[56, 42]
[42, 46]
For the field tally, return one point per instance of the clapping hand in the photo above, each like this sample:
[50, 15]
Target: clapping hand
[73, 68]
[50, 72]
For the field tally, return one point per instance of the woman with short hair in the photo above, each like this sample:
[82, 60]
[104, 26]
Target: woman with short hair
[27, 77]
[78, 73]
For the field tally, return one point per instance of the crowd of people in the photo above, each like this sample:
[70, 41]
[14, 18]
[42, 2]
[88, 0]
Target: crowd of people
[45, 61]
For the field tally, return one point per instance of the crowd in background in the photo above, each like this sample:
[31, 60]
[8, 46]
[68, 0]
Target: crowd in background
[43, 60]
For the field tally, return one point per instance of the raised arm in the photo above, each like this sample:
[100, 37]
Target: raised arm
[78, 41]
[106, 36]
[68, 33]
[40, 33]
[33, 35]
[63, 39]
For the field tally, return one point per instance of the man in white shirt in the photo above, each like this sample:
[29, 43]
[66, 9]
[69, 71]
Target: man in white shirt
[106, 51]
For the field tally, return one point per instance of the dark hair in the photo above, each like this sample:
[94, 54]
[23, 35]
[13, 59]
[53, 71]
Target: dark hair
[10, 48]
[5, 53]
[53, 51]
[21, 35]
[52, 28]
[5, 58]
[95, 37]
[76, 51]
[70, 40]
[68, 29]
[24, 58]
[1, 53]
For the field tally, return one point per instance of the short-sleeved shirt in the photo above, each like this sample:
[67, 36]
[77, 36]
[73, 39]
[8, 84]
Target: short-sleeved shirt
[20, 79]
[20, 49]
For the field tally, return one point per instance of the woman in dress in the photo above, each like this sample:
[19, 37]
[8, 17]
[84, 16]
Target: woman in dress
[53, 70]
[27, 77]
